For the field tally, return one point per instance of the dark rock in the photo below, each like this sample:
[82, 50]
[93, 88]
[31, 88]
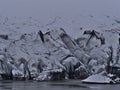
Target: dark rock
[4, 36]
[58, 75]
[41, 36]
[7, 76]
[81, 73]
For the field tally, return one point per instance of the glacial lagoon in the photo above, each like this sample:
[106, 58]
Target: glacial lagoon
[55, 85]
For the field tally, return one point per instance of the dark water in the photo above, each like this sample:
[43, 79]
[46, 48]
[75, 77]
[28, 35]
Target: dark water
[56, 85]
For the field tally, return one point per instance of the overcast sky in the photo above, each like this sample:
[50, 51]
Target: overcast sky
[46, 10]
[51, 8]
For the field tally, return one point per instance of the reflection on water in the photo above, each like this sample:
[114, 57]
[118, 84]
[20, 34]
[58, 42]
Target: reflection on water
[55, 85]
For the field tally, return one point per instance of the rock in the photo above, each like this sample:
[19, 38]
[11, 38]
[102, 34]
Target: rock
[4, 36]
[81, 73]
[55, 74]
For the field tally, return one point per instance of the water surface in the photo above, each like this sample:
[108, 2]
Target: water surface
[54, 85]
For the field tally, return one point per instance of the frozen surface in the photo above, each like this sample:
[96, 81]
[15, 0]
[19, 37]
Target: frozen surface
[97, 79]
[22, 19]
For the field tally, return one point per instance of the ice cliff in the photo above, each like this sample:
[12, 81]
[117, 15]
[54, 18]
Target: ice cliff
[51, 52]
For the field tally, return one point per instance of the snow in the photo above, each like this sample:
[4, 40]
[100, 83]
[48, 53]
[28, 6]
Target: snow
[45, 76]
[55, 50]
[17, 73]
[97, 78]
[1, 57]
[51, 17]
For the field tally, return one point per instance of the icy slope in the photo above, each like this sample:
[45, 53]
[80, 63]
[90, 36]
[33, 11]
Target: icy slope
[57, 52]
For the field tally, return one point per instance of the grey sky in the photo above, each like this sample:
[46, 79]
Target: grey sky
[45, 9]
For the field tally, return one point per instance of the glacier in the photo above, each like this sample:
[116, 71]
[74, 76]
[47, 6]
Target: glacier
[62, 51]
